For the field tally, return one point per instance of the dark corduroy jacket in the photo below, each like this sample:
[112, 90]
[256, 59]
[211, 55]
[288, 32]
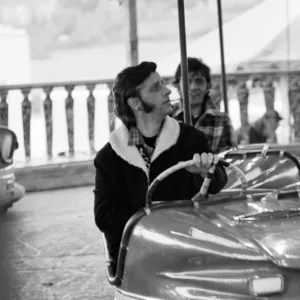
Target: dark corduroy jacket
[122, 178]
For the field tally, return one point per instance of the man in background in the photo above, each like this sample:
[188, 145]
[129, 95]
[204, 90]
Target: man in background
[215, 125]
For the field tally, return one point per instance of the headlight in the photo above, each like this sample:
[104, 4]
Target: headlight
[264, 285]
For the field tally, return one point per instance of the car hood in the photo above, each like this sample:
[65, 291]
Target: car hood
[273, 226]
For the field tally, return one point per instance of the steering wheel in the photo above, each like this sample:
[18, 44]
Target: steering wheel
[205, 185]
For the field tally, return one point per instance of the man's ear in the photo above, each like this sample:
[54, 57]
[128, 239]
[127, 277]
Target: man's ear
[134, 103]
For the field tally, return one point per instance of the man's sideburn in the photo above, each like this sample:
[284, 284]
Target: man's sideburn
[147, 107]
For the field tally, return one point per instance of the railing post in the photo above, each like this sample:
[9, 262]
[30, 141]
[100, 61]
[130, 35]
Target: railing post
[3, 107]
[294, 100]
[243, 95]
[269, 94]
[26, 113]
[48, 120]
[111, 115]
[69, 104]
[216, 92]
[91, 116]
[283, 86]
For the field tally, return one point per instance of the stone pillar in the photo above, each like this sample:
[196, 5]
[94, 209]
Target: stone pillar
[269, 93]
[216, 92]
[48, 120]
[69, 104]
[271, 121]
[111, 114]
[243, 96]
[26, 113]
[294, 101]
[283, 86]
[3, 108]
[91, 116]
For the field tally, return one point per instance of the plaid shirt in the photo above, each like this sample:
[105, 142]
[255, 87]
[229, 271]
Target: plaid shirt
[215, 125]
[136, 139]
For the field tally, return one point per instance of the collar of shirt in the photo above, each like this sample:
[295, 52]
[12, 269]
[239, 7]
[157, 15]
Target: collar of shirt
[136, 138]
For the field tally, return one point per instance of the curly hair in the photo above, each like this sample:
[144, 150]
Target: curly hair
[126, 85]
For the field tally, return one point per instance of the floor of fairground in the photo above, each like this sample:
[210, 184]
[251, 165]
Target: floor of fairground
[50, 248]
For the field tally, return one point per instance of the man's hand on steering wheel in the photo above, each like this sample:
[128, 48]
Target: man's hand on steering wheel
[202, 163]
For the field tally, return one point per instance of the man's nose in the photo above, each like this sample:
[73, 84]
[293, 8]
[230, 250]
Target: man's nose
[193, 85]
[167, 91]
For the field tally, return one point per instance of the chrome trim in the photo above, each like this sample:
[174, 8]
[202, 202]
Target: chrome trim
[106, 252]
[264, 150]
[272, 196]
[134, 296]
[147, 210]
[254, 215]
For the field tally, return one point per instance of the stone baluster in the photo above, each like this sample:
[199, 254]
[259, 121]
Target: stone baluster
[111, 114]
[294, 101]
[48, 120]
[243, 96]
[3, 108]
[69, 104]
[216, 92]
[26, 113]
[91, 116]
[269, 94]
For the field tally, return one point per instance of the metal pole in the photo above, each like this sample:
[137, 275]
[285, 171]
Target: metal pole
[132, 44]
[224, 81]
[184, 67]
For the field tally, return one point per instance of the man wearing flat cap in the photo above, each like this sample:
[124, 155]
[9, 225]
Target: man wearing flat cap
[147, 143]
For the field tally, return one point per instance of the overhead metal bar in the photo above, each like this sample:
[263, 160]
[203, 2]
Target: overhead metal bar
[184, 66]
[223, 70]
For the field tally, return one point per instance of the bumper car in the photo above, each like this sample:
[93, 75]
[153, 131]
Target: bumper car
[10, 190]
[241, 244]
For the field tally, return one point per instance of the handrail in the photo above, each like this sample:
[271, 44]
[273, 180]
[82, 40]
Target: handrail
[111, 80]
[55, 84]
